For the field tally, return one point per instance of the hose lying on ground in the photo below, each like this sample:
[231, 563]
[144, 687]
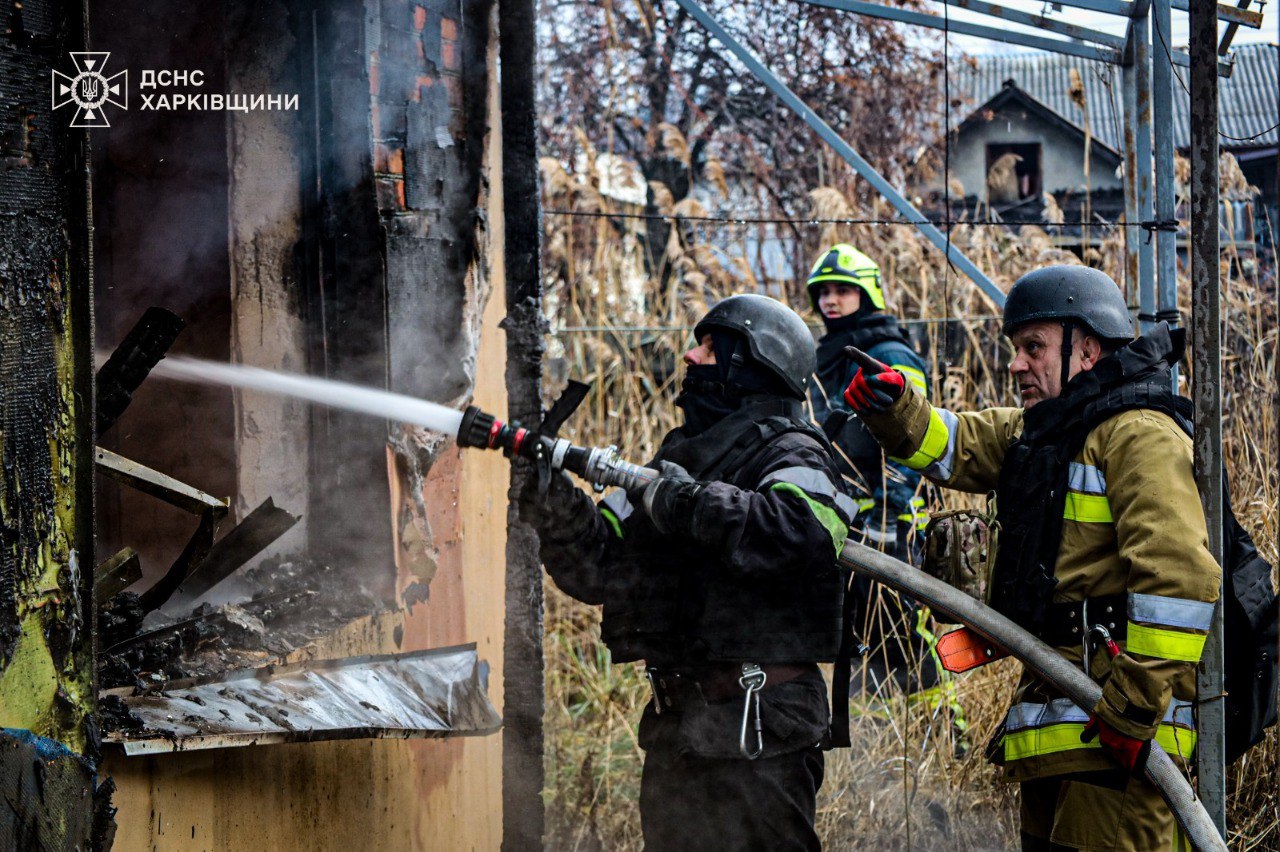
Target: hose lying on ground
[1040, 659]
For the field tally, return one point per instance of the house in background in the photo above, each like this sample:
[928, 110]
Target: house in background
[1026, 135]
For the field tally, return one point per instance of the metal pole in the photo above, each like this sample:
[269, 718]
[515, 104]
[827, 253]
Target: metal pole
[1206, 351]
[1141, 34]
[1166, 219]
[1132, 236]
[861, 166]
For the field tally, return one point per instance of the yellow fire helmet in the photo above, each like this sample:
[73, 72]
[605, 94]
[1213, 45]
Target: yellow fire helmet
[844, 264]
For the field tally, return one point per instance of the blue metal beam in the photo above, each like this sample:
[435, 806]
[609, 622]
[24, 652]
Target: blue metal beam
[1051, 25]
[1110, 7]
[1230, 14]
[1137, 119]
[1230, 34]
[845, 150]
[1162, 121]
[920, 19]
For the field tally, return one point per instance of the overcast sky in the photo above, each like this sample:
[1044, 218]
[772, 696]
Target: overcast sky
[1097, 21]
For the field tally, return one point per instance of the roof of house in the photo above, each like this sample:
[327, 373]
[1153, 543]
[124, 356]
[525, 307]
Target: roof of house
[1011, 93]
[1248, 109]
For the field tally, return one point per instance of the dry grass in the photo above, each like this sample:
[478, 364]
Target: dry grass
[915, 777]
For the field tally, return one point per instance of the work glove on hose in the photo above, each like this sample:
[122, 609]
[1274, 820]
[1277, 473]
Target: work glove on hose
[669, 499]
[874, 392]
[1129, 752]
[559, 515]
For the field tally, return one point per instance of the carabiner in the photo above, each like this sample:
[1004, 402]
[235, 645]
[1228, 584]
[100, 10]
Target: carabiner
[752, 681]
[1095, 636]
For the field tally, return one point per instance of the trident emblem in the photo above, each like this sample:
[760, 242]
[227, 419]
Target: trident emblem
[90, 90]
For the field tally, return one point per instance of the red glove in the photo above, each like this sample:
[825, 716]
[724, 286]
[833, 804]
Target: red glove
[1129, 752]
[875, 393]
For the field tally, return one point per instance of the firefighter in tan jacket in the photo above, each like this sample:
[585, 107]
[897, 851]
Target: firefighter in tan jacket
[1100, 524]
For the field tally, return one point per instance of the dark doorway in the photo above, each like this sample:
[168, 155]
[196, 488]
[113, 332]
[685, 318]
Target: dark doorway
[161, 220]
[1026, 168]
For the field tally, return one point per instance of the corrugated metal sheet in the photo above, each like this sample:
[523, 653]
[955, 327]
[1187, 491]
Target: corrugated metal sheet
[434, 693]
[1248, 102]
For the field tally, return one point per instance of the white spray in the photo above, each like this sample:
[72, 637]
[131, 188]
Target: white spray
[378, 403]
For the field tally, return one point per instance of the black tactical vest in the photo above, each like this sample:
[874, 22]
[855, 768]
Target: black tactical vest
[1032, 490]
[673, 602]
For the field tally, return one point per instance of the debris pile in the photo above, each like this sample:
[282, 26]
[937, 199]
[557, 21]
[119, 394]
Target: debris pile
[292, 602]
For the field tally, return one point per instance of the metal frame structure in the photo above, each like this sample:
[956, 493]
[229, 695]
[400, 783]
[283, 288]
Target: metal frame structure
[1147, 61]
[1143, 89]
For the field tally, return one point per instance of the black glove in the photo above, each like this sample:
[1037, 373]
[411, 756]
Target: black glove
[669, 499]
[557, 509]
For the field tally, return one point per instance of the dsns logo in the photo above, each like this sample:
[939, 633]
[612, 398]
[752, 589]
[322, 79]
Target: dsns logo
[91, 90]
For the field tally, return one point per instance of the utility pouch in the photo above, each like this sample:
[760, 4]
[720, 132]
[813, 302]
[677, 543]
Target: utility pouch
[962, 650]
[960, 547]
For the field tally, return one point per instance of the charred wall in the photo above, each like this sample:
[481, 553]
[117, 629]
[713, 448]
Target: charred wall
[46, 546]
[364, 254]
[48, 748]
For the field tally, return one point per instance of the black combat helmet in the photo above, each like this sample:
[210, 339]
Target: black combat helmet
[778, 339]
[1070, 294]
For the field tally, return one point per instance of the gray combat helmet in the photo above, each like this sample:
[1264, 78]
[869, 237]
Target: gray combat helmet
[779, 340]
[1070, 294]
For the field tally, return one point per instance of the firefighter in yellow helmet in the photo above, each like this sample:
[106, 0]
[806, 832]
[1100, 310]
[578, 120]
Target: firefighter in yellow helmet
[1100, 524]
[845, 289]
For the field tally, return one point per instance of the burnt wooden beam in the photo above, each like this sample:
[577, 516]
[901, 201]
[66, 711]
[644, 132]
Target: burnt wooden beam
[523, 814]
[116, 574]
[250, 537]
[157, 484]
[127, 368]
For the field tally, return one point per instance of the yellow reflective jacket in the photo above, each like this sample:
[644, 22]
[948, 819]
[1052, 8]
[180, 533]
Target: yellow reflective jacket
[1133, 527]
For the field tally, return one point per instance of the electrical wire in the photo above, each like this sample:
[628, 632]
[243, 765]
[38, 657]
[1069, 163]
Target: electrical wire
[768, 220]
[1168, 53]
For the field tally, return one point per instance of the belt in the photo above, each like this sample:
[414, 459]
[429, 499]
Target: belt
[678, 689]
[1066, 623]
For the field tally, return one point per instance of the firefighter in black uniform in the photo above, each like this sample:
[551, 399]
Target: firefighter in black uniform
[721, 576]
[845, 289]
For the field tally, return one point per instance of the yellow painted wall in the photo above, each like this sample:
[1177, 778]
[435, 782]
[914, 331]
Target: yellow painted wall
[369, 794]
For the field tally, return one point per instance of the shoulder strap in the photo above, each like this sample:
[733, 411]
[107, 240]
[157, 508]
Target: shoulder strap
[752, 441]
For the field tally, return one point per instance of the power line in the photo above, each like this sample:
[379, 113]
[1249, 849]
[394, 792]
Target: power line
[1168, 53]
[768, 220]
[651, 329]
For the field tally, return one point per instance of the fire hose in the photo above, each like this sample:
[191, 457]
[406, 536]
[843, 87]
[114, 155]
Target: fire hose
[1043, 662]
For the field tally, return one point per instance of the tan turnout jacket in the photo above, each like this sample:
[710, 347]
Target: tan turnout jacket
[1133, 526]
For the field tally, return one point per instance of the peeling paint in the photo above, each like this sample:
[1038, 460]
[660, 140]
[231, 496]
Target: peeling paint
[40, 578]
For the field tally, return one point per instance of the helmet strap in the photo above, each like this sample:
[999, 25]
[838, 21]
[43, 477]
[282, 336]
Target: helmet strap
[1068, 332]
[736, 359]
